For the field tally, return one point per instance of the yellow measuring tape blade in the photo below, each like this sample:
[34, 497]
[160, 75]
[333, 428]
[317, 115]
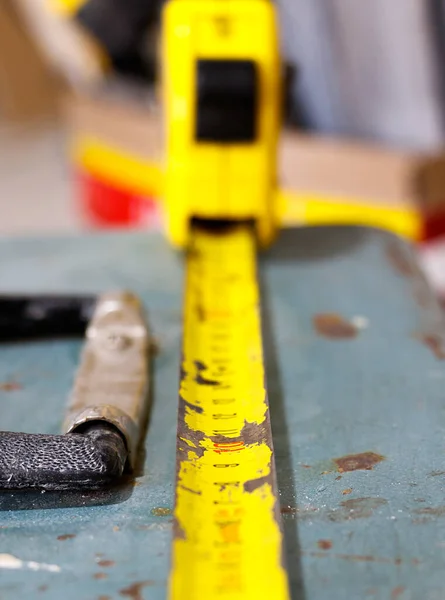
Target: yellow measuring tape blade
[228, 540]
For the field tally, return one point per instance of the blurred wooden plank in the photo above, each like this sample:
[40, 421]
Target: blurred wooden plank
[28, 89]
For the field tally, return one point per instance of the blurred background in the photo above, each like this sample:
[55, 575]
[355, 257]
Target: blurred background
[368, 76]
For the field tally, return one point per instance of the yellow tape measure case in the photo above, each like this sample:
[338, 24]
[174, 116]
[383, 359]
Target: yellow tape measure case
[221, 85]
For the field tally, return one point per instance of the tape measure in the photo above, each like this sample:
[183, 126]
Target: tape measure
[222, 93]
[228, 540]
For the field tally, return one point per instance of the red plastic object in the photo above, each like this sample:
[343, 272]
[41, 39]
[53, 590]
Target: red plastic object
[434, 226]
[104, 205]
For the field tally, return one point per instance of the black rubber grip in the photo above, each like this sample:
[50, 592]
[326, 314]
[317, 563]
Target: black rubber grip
[89, 460]
[28, 317]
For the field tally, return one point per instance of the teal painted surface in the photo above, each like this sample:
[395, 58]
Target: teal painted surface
[377, 534]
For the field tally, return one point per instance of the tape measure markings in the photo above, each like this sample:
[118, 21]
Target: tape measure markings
[228, 540]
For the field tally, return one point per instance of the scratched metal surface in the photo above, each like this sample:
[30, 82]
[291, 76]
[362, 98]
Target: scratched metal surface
[353, 342]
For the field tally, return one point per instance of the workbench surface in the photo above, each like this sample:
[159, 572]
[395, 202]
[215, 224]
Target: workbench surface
[355, 349]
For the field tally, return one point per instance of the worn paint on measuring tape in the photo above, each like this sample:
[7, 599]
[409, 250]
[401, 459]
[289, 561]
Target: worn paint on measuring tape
[228, 539]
